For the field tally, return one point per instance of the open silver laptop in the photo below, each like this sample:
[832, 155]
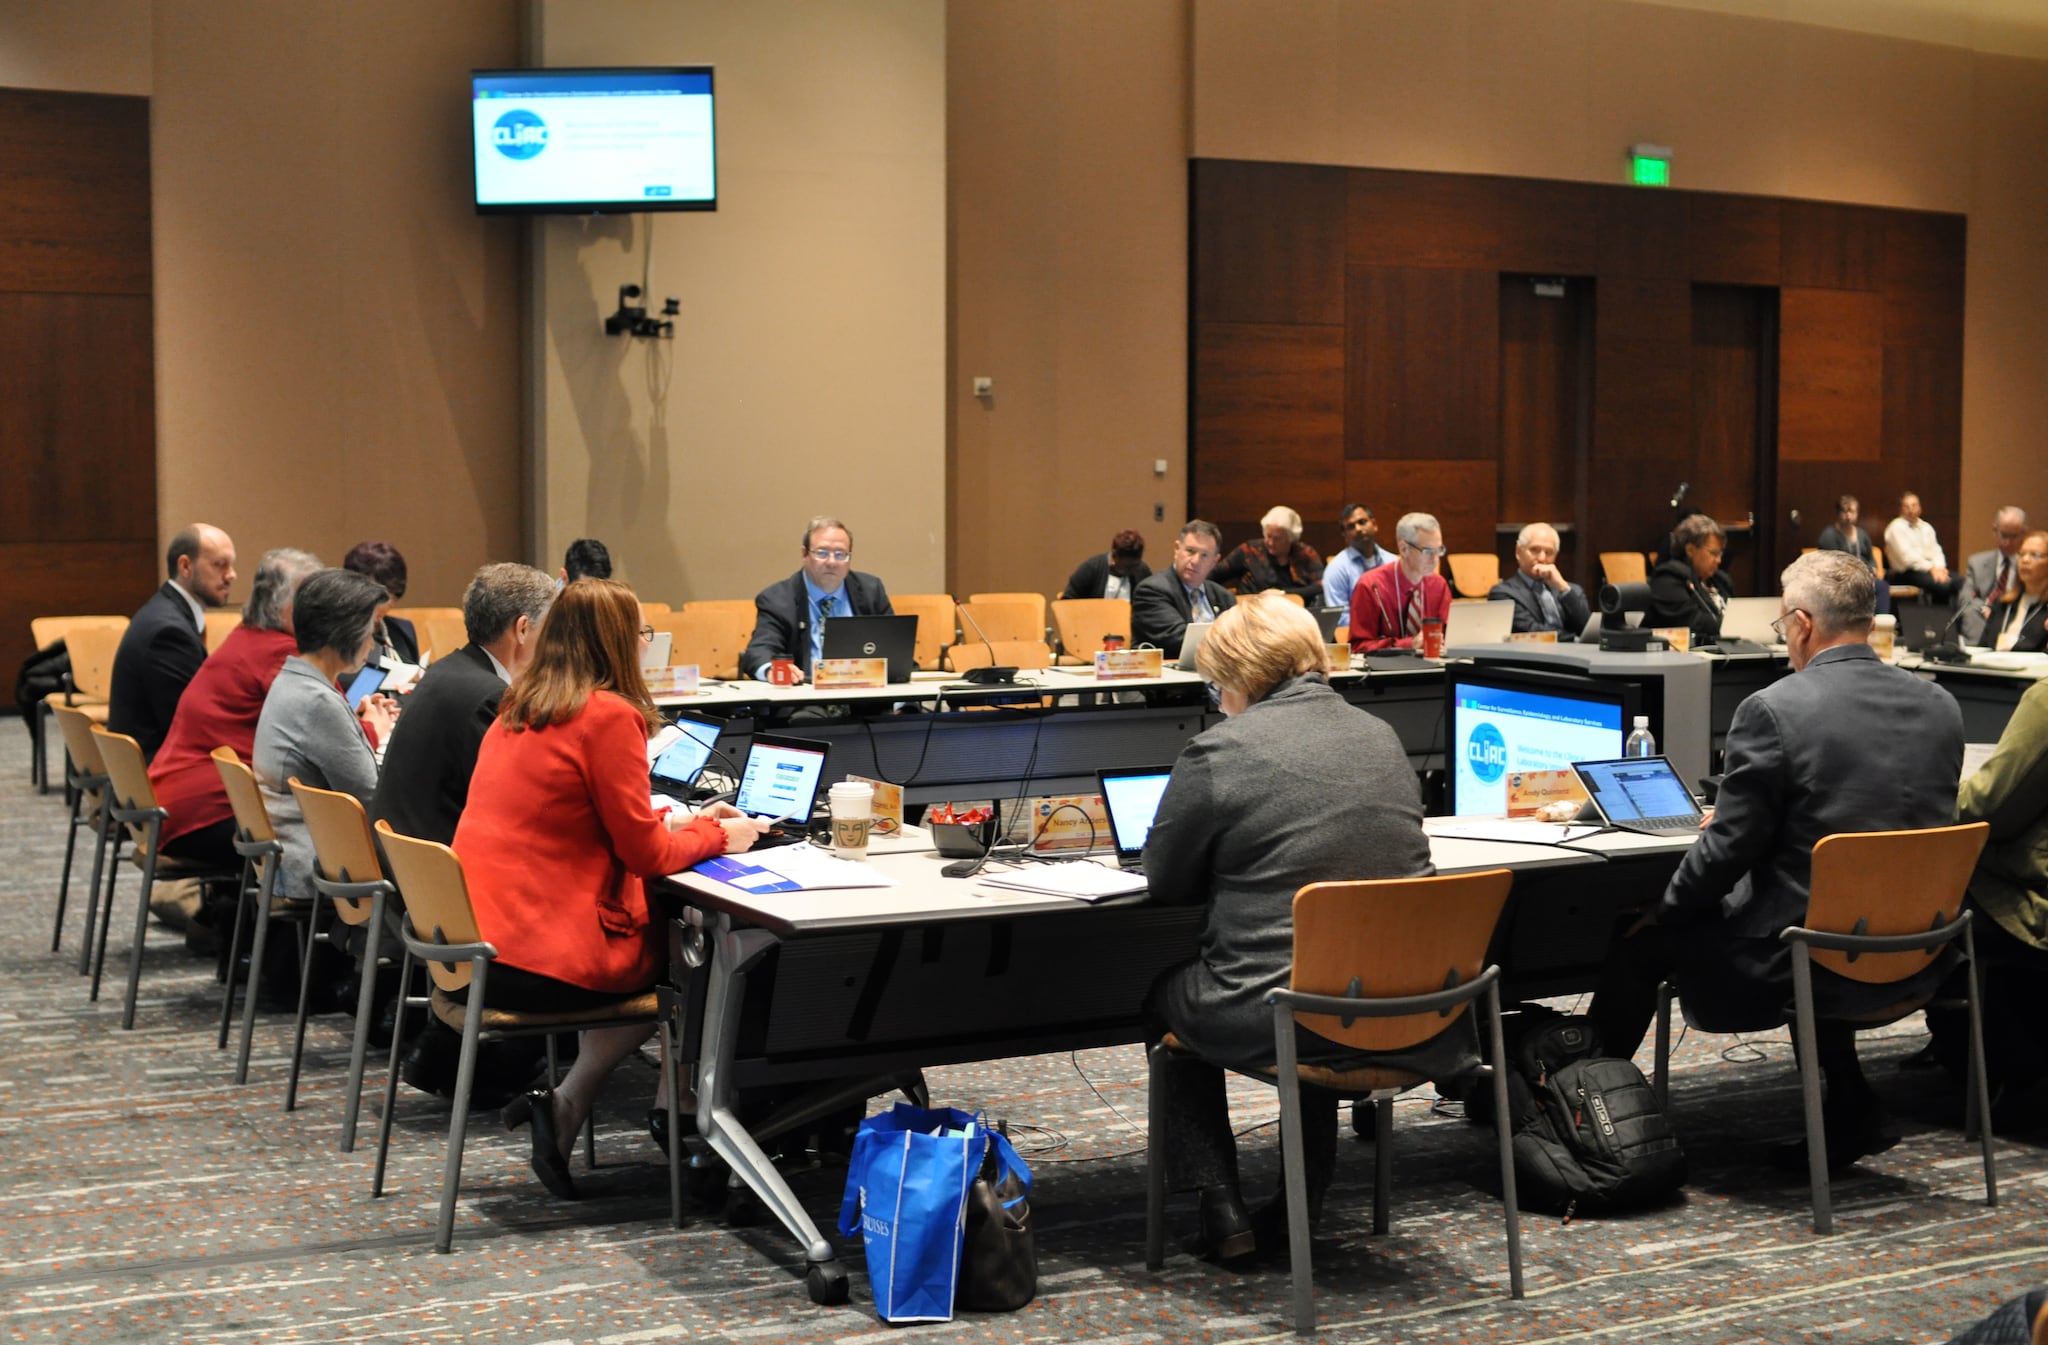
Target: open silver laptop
[1641, 794]
[1480, 622]
[1750, 619]
[1197, 632]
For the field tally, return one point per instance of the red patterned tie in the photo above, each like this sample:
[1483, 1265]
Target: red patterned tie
[1414, 624]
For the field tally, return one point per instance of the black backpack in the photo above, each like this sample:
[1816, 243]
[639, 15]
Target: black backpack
[1589, 1137]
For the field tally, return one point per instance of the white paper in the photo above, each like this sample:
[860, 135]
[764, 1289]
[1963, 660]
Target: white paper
[1528, 832]
[815, 869]
[661, 742]
[1974, 757]
[1083, 879]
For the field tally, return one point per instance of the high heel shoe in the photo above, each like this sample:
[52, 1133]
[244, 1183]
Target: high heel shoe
[1227, 1233]
[538, 1109]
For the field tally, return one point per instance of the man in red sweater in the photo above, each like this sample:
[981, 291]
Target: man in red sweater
[1390, 603]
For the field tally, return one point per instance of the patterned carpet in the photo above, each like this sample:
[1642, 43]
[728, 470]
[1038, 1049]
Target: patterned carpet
[144, 1197]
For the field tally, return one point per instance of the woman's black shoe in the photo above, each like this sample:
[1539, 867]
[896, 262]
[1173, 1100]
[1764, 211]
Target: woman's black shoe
[1226, 1229]
[657, 1126]
[538, 1109]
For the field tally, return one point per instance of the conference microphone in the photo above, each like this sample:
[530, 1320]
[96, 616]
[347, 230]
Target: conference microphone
[1944, 649]
[1679, 494]
[995, 674]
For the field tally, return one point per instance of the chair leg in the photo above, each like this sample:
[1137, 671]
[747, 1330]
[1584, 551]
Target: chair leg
[1382, 1163]
[405, 1001]
[458, 1119]
[99, 953]
[266, 888]
[155, 829]
[1155, 1161]
[291, 1084]
[1979, 1085]
[1503, 1126]
[672, 1084]
[64, 883]
[1294, 1173]
[1660, 1075]
[366, 1003]
[227, 994]
[102, 834]
[1805, 1040]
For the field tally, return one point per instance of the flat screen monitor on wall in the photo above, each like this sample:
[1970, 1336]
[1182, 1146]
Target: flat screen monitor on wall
[1504, 722]
[579, 142]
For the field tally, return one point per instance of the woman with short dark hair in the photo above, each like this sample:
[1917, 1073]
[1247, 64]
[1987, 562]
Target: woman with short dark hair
[1689, 589]
[397, 640]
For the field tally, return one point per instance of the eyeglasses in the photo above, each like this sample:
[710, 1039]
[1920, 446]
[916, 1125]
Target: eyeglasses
[647, 635]
[827, 554]
[1778, 626]
[1435, 552]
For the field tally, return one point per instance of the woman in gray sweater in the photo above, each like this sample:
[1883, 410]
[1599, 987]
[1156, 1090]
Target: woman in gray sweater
[1296, 786]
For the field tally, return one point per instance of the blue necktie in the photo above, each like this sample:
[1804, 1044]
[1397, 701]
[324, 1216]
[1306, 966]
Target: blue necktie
[818, 627]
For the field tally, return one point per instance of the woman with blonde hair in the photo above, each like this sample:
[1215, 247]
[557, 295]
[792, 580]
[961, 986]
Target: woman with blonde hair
[1294, 787]
[557, 835]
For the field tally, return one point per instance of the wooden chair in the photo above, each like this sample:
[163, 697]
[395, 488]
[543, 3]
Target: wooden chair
[348, 873]
[1020, 654]
[734, 619]
[257, 843]
[1898, 590]
[1378, 967]
[938, 624]
[1474, 573]
[459, 960]
[1876, 933]
[1083, 624]
[220, 625]
[45, 631]
[1002, 609]
[1624, 567]
[132, 804]
[707, 639]
[86, 783]
[441, 636]
[654, 608]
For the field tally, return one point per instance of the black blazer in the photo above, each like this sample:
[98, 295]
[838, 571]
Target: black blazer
[782, 619]
[1572, 607]
[1092, 574]
[1676, 600]
[160, 653]
[427, 764]
[1160, 610]
[2033, 637]
[405, 641]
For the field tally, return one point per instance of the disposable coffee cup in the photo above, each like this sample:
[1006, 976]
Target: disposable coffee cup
[782, 672]
[1432, 637]
[1884, 632]
[853, 809]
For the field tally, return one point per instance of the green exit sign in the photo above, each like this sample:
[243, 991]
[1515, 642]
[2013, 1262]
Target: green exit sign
[1649, 165]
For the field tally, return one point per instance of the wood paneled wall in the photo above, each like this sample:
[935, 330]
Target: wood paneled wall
[77, 380]
[1362, 334]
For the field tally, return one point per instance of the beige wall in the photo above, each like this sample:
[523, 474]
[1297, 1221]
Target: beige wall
[337, 331]
[80, 46]
[807, 370]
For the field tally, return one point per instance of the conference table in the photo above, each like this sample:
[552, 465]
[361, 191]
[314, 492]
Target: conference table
[831, 997]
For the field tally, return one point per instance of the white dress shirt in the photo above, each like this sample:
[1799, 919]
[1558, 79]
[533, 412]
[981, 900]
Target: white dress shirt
[1912, 546]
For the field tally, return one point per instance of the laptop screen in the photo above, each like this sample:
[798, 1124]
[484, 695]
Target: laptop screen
[887, 637]
[683, 759]
[1131, 798]
[1636, 789]
[781, 778]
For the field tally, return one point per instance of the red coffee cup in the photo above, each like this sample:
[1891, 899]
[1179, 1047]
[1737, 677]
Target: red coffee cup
[1432, 637]
[782, 672]
[1112, 642]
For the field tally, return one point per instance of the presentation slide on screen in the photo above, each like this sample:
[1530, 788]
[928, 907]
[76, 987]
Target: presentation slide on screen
[1496, 732]
[542, 145]
[779, 781]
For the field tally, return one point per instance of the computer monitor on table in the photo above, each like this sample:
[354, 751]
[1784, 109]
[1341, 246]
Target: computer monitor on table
[1503, 721]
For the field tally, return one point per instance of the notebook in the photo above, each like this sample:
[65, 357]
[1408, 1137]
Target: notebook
[1642, 794]
[1131, 798]
[891, 637]
[781, 779]
[677, 765]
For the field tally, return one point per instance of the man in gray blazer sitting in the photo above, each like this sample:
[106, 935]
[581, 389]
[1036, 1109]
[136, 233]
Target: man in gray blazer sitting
[1544, 599]
[1990, 573]
[1802, 763]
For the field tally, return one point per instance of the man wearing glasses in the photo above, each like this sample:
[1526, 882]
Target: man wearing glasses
[1803, 762]
[1389, 604]
[790, 616]
[1991, 573]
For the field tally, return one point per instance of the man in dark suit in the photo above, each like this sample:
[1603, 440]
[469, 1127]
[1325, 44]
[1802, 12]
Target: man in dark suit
[1543, 598]
[790, 615]
[1112, 573]
[166, 641]
[1802, 763]
[1163, 605]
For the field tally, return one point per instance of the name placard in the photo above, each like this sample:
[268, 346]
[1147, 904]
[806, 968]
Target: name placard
[1554, 796]
[1060, 822]
[887, 817]
[1678, 637]
[677, 680]
[1533, 637]
[1113, 665]
[847, 674]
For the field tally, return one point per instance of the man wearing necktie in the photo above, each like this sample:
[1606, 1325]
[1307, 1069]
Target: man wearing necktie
[1990, 573]
[1389, 604]
[790, 615]
[1543, 598]
[1165, 604]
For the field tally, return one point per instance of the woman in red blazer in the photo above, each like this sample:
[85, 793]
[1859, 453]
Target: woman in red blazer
[559, 831]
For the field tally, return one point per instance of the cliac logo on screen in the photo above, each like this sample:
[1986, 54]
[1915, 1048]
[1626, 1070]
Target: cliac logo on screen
[1486, 753]
[519, 134]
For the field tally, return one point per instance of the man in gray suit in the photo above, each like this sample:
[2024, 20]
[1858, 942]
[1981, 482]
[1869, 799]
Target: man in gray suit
[1802, 763]
[1991, 573]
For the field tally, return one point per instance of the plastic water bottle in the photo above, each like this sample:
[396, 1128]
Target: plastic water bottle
[1641, 742]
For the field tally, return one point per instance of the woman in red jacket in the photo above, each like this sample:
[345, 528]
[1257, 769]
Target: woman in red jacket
[559, 831]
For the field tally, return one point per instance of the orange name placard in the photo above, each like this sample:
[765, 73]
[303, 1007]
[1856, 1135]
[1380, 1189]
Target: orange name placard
[887, 815]
[1533, 637]
[676, 680]
[1678, 637]
[1554, 796]
[848, 674]
[1114, 665]
[1062, 822]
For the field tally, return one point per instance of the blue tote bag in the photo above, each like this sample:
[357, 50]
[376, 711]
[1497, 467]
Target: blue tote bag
[906, 1190]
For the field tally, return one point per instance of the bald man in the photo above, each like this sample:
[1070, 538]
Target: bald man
[166, 640]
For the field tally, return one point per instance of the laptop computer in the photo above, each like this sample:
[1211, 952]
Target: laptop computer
[1329, 618]
[676, 767]
[1921, 624]
[890, 637]
[1749, 619]
[1489, 622]
[781, 779]
[1130, 795]
[654, 654]
[1642, 794]
[1197, 632]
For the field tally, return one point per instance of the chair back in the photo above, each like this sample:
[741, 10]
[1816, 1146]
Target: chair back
[1083, 623]
[76, 726]
[220, 625]
[92, 645]
[127, 778]
[1624, 567]
[344, 851]
[654, 608]
[729, 623]
[1032, 654]
[706, 639]
[252, 818]
[1396, 937]
[1474, 573]
[47, 630]
[441, 635]
[1889, 882]
[938, 623]
[436, 898]
[1002, 616]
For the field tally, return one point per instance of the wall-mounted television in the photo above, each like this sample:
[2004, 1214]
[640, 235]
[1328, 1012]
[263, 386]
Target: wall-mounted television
[588, 141]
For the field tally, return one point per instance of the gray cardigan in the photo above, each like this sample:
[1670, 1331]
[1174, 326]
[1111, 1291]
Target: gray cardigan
[1299, 788]
[307, 730]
